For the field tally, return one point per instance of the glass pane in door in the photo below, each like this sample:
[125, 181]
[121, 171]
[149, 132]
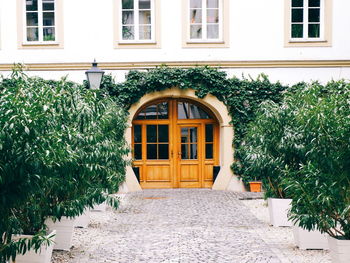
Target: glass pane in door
[189, 143]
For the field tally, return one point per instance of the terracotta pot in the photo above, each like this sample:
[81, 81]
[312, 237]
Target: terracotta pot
[255, 186]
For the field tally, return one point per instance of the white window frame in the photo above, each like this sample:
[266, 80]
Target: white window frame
[40, 25]
[306, 23]
[136, 24]
[205, 38]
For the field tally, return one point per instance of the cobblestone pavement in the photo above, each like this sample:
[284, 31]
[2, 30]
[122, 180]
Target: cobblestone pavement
[177, 225]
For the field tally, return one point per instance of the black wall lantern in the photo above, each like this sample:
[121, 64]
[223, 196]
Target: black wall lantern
[94, 76]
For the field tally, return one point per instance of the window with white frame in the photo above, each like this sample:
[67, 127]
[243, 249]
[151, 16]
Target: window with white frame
[205, 20]
[40, 21]
[137, 20]
[307, 19]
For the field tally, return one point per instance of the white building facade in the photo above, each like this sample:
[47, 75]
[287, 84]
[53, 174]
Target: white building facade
[288, 40]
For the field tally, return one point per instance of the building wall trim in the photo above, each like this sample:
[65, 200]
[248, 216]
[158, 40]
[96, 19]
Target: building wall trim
[183, 64]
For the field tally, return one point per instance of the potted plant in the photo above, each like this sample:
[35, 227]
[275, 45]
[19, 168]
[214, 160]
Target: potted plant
[255, 186]
[265, 155]
[321, 185]
[58, 159]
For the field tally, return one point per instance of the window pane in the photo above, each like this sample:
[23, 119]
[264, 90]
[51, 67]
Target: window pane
[151, 112]
[151, 151]
[182, 108]
[145, 17]
[128, 4]
[32, 34]
[212, 3]
[48, 19]
[145, 32]
[209, 132]
[163, 110]
[128, 18]
[209, 151]
[151, 133]
[314, 15]
[193, 134]
[144, 4]
[196, 3]
[197, 113]
[137, 133]
[138, 151]
[163, 133]
[297, 3]
[49, 33]
[297, 31]
[193, 151]
[128, 32]
[213, 31]
[31, 5]
[196, 16]
[314, 30]
[141, 116]
[48, 5]
[184, 151]
[314, 3]
[163, 151]
[196, 32]
[32, 19]
[213, 16]
[297, 15]
[184, 135]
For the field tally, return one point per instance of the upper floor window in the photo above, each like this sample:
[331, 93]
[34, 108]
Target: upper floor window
[137, 21]
[307, 19]
[205, 20]
[40, 21]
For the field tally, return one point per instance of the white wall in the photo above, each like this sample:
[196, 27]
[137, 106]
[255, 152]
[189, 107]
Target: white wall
[256, 33]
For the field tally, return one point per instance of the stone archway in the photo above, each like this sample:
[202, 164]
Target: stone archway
[225, 179]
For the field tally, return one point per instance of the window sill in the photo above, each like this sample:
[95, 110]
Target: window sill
[38, 45]
[308, 43]
[205, 44]
[135, 45]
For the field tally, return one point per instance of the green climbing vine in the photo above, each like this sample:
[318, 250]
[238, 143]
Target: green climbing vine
[241, 96]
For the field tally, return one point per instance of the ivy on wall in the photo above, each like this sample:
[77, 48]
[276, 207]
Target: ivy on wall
[241, 96]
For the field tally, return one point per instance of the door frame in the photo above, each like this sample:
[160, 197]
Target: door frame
[174, 124]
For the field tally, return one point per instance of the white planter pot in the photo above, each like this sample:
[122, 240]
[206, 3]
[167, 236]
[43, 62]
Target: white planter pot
[340, 250]
[64, 232]
[43, 255]
[305, 239]
[83, 220]
[101, 207]
[278, 210]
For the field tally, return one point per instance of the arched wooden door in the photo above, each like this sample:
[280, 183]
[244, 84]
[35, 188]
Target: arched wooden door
[175, 144]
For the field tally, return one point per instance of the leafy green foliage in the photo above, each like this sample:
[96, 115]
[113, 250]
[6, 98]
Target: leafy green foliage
[300, 149]
[62, 149]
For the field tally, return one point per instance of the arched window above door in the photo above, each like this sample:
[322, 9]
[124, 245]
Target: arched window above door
[191, 111]
[159, 111]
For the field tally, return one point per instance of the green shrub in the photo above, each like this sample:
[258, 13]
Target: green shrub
[300, 149]
[321, 184]
[62, 149]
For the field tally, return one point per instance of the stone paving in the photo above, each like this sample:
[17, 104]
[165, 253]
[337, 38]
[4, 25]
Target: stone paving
[176, 225]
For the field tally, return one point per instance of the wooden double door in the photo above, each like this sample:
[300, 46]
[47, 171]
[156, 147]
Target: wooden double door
[175, 144]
